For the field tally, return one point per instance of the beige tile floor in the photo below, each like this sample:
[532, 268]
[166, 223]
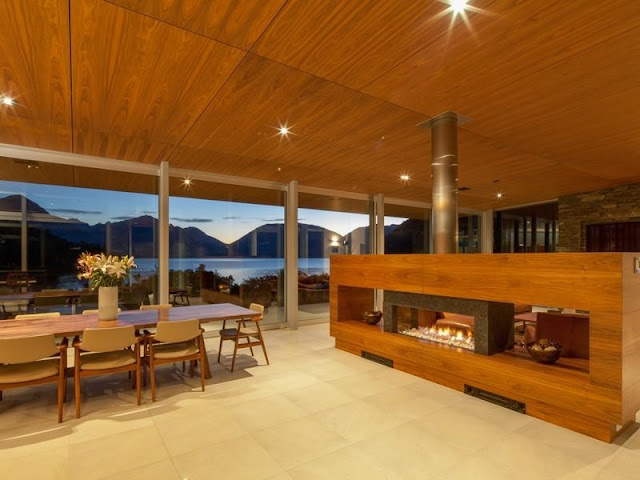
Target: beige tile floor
[314, 413]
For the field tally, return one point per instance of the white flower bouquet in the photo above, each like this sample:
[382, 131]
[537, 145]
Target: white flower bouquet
[104, 271]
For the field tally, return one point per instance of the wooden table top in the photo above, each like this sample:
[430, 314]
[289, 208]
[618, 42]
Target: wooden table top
[69, 325]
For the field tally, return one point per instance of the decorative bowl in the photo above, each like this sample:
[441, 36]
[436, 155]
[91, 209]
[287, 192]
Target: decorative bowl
[371, 318]
[544, 352]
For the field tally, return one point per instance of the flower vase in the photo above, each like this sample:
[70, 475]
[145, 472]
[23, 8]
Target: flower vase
[107, 303]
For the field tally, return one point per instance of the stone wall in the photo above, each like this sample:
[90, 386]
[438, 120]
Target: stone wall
[575, 212]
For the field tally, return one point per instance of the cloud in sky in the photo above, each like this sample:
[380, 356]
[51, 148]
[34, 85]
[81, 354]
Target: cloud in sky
[232, 218]
[272, 220]
[123, 217]
[150, 212]
[191, 220]
[73, 211]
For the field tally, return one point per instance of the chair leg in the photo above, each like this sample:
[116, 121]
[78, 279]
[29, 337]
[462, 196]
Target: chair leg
[62, 380]
[235, 351]
[220, 349]
[202, 359]
[138, 386]
[264, 350]
[76, 386]
[152, 374]
[250, 347]
[76, 382]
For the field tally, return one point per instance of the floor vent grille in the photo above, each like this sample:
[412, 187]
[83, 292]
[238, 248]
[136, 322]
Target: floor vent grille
[387, 362]
[505, 402]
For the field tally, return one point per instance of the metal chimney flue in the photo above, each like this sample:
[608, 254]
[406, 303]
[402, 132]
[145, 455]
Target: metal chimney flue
[444, 181]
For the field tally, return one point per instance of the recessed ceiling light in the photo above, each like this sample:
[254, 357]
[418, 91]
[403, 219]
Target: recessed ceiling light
[499, 195]
[458, 6]
[8, 101]
[283, 130]
[187, 181]
[405, 177]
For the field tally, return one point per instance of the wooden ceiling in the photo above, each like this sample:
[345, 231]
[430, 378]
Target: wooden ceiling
[551, 88]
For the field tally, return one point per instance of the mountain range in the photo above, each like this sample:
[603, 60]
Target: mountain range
[265, 241]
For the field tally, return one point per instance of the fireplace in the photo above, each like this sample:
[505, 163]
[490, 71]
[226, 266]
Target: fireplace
[489, 325]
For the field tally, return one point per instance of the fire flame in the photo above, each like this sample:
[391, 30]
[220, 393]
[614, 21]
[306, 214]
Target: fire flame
[452, 333]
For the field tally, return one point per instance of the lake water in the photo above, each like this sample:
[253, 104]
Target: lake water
[240, 269]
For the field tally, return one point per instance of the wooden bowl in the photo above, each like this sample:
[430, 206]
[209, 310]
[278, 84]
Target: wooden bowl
[371, 318]
[544, 356]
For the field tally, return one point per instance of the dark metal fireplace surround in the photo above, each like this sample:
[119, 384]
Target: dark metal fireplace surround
[493, 321]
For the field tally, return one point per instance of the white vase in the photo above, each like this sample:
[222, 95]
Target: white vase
[107, 303]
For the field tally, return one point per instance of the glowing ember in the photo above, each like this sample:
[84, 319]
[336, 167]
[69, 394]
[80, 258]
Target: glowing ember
[448, 336]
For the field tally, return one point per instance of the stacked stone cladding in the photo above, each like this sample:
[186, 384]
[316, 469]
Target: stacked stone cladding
[575, 212]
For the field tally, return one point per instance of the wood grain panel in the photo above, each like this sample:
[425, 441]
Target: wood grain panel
[134, 98]
[225, 192]
[359, 43]
[229, 21]
[548, 87]
[69, 325]
[334, 130]
[35, 73]
[73, 176]
[604, 396]
[524, 381]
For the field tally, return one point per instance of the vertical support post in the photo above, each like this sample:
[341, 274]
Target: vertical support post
[24, 236]
[163, 234]
[486, 231]
[378, 209]
[291, 255]
[444, 182]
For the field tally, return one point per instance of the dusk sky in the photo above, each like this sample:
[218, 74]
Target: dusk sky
[226, 221]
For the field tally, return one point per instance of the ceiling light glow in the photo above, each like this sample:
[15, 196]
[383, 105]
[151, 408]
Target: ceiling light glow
[8, 101]
[458, 6]
[499, 195]
[405, 177]
[284, 130]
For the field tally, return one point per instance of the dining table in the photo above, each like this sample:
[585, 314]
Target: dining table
[71, 325]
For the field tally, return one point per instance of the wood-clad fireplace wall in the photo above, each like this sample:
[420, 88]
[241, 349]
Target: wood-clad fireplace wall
[598, 400]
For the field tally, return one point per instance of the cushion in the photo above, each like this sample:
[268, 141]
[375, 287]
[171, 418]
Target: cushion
[228, 332]
[105, 360]
[26, 372]
[174, 350]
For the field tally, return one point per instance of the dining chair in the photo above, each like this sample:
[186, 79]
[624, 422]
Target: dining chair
[26, 361]
[156, 307]
[37, 316]
[94, 311]
[173, 342]
[247, 329]
[106, 350]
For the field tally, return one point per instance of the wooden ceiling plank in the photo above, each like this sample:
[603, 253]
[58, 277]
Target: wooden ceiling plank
[139, 84]
[228, 21]
[35, 73]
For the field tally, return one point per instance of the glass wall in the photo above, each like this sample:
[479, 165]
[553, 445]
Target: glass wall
[326, 226]
[44, 227]
[408, 230]
[526, 229]
[226, 245]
